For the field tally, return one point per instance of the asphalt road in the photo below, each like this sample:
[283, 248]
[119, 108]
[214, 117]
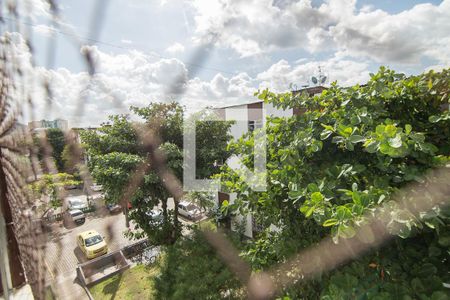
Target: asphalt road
[62, 254]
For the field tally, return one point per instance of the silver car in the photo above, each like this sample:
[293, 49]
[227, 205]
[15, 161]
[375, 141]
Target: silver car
[77, 204]
[114, 208]
[75, 216]
[97, 187]
[188, 210]
[155, 215]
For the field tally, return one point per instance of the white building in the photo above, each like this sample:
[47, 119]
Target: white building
[46, 124]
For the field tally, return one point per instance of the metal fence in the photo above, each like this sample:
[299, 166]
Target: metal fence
[18, 162]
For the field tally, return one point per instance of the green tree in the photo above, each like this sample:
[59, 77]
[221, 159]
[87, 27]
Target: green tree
[55, 140]
[116, 151]
[191, 269]
[330, 167]
[116, 135]
[51, 184]
[202, 199]
[71, 157]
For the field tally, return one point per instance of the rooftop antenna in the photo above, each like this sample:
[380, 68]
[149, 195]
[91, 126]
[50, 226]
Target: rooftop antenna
[319, 80]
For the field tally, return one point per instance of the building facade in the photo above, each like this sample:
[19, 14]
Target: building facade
[46, 124]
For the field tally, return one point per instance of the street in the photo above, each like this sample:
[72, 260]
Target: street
[62, 253]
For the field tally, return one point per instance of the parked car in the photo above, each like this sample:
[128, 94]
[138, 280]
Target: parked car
[70, 187]
[188, 210]
[75, 216]
[97, 187]
[92, 244]
[155, 215]
[77, 203]
[96, 197]
[114, 208]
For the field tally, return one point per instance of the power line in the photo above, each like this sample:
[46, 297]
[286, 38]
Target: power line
[99, 42]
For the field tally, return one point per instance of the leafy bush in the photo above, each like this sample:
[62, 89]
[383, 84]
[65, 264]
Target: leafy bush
[331, 167]
[190, 269]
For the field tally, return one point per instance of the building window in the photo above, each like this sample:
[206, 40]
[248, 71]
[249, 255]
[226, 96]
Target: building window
[252, 125]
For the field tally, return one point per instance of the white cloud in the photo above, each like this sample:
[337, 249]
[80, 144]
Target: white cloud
[367, 8]
[175, 48]
[34, 9]
[44, 30]
[281, 75]
[249, 27]
[134, 78]
[255, 26]
[406, 37]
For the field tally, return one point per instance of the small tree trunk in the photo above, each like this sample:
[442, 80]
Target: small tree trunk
[168, 238]
[127, 218]
[164, 208]
[176, 223]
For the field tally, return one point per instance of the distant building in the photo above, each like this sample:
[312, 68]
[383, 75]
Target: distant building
[75, 131]
[74, 137]
[253, 112]
[46, 124]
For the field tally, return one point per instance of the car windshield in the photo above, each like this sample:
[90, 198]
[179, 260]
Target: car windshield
[76, 202]
[93, 240]
[76, 213]
[154, 212]
[191, 207]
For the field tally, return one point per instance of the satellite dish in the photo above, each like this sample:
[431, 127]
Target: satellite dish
[314, 80]
[292, 86]
[324, 78]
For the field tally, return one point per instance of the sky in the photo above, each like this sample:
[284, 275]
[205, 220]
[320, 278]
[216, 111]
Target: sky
[214, 52]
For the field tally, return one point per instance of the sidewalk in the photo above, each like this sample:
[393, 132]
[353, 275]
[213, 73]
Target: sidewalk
[67, 287]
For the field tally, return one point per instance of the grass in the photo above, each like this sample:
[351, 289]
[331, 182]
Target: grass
[207, 224]
[135, 283]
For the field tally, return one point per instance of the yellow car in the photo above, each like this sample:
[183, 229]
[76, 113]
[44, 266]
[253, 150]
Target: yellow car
[92, 244]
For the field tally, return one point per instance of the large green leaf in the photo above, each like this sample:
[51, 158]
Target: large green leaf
[356, 139]
[330, 222]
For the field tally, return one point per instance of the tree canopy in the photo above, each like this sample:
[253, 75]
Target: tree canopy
[116, 151]
[51, 184]
[56, 140]
[191, 269]
[332, 166]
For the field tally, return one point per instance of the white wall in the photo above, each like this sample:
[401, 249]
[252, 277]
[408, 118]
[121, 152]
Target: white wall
[240, 114]
[275, 112]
